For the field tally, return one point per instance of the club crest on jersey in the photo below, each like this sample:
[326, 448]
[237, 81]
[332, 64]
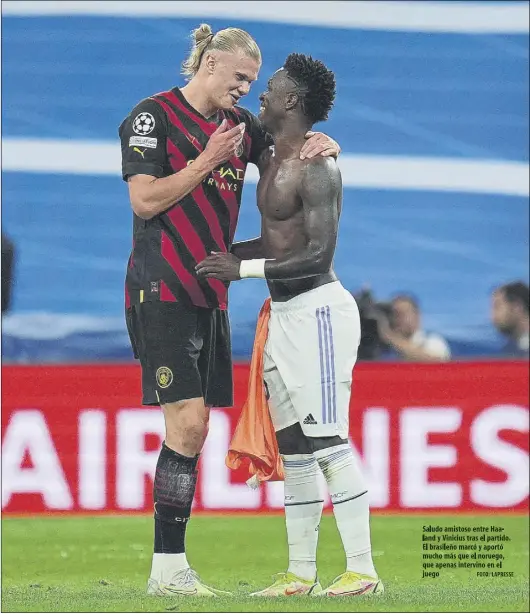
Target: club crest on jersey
[240, 149]
[164, 377]
[143, 123]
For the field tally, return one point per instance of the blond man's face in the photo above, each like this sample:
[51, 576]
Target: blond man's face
[230, 77]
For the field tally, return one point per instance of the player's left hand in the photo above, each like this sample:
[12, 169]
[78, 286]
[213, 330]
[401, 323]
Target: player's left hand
[220, 266]
[318, 143]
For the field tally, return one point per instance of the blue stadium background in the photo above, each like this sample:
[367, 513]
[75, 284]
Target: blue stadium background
[399, 93]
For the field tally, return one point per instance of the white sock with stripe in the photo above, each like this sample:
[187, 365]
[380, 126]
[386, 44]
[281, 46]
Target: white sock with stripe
[303, 509]
[349, 496]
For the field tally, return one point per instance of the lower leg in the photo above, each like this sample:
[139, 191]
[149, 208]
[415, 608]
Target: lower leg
[303, 510]
[303, 504]
[349, 496]
[174, 486]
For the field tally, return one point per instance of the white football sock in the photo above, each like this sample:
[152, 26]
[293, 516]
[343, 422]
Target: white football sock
[303, 509]
[349, 496]
[165, 566]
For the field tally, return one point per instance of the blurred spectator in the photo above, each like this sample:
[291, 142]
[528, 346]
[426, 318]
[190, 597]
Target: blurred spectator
[510, 316]
[371, 346]
[403, 333]
[8, 252]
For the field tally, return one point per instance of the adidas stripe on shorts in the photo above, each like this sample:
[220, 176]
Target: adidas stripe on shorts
[309, 356]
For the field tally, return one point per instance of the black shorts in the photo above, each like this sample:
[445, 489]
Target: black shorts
[185, 352]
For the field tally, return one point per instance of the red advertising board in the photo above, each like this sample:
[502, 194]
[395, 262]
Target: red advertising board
[432, 437]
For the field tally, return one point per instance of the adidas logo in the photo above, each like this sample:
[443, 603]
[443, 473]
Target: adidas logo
[309, 419]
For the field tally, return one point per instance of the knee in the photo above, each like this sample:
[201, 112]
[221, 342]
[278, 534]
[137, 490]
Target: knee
[186, 421]
[334, 454]
[195, 423]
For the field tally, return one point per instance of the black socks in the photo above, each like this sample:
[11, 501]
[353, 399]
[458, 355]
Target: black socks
[174, 489]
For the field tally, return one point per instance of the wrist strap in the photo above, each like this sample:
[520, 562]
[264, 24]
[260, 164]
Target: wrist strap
[252, 268]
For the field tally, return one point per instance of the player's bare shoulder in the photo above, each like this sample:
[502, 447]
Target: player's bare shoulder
[320, 177]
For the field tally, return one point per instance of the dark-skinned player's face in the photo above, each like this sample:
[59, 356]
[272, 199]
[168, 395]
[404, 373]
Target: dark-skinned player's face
[274, 101]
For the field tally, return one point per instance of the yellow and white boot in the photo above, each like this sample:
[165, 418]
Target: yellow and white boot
[351, 584]
[288, 585]
[184, 583]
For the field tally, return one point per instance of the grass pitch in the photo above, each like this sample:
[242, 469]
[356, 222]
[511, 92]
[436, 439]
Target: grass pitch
[101, 564]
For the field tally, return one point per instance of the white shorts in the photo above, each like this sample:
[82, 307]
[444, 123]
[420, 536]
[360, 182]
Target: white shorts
[308, 360]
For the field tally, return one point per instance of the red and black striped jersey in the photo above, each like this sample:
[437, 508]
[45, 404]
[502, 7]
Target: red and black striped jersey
[161, 136]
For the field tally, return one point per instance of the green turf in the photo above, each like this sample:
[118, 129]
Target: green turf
[101, 564]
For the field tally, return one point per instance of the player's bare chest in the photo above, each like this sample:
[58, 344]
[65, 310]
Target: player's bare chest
[277, 190]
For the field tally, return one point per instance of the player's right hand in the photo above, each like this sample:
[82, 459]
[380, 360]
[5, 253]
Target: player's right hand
[223, 143]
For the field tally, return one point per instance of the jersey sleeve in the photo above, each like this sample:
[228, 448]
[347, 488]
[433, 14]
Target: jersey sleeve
[143, 136]
[260, 139]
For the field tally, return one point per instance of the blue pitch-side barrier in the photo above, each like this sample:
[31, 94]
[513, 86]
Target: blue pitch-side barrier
[399, 93]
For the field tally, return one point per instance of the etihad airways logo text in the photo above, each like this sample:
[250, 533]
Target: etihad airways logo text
[226, 178]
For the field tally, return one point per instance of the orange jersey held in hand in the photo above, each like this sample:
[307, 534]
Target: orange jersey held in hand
[254, 441]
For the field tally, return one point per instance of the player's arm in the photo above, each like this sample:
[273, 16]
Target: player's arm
[319, 190]
[144, 160]
[151, 195]
[143, 137]
[246, 250]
